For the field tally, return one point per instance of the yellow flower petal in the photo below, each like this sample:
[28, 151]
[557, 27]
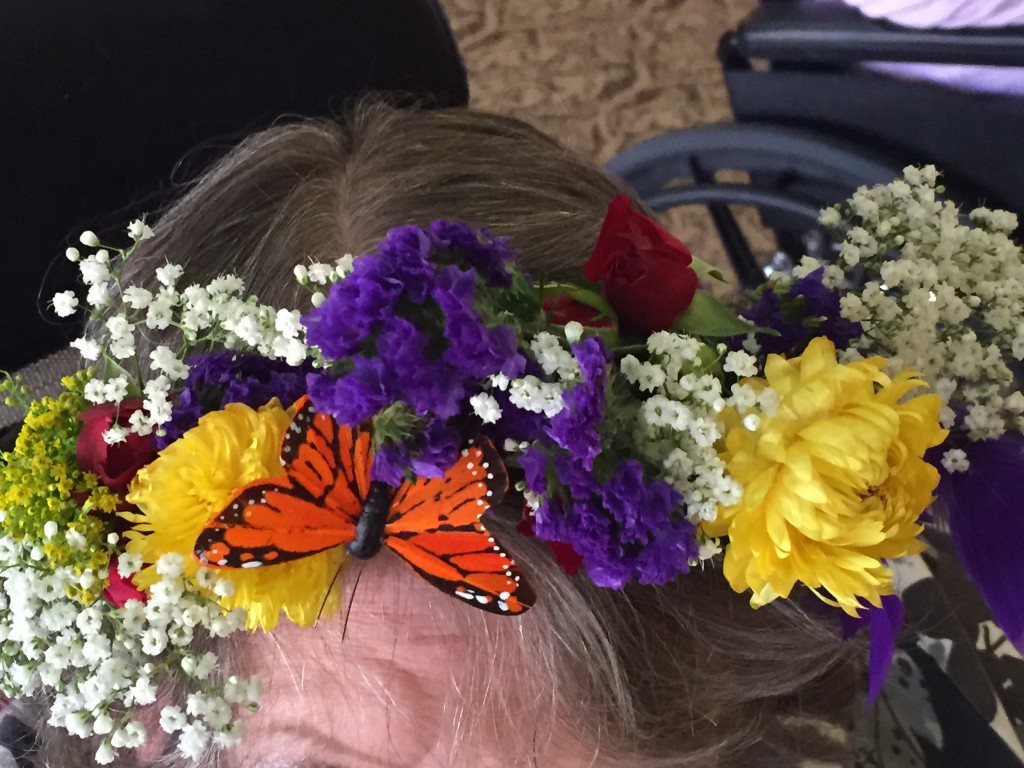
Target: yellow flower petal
[193, 479]
[833, 483]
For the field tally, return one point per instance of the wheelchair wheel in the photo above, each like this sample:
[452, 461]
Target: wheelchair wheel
[788, 175]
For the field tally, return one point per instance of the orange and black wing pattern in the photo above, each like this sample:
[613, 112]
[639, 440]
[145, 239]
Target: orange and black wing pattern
[436, 526]
[311, 508]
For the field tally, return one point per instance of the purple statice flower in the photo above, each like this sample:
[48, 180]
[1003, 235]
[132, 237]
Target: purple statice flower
[432, 452]
[823, 302]
[353, 308]
[474, 349]
[405, 328]
[534, 464]
[486, 254]
[652, 547]
[413, 374]
[406, 367]
[766, 313]
[886, 626]
[807, 310]
[983, 512]
[625, 529]
[576, 427]
[515, 423]
[219, 378]
[406, 258]
[354, 397]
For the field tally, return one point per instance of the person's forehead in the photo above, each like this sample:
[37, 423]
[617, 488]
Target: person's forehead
[373, 686]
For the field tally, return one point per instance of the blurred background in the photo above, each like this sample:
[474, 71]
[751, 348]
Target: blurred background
[602, 75]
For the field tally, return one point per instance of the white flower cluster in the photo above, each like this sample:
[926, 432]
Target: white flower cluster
[218, 313]
[102, 664]
[679, 422]
[319, 276]
[532, 393]
[942, 294]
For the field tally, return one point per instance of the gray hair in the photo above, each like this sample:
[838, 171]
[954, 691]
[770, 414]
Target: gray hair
[682, 675]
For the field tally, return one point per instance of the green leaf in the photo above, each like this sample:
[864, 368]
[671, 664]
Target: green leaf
[703, 269]
[584, 296]
[594, 300]
[112, 369]
[395, 424]
[709, 317]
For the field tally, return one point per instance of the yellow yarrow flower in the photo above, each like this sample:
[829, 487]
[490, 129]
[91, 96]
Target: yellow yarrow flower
[41, 484]
[193, 479]
[833, 483]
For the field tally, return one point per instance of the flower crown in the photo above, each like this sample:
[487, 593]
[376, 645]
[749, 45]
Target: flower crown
[210, 484]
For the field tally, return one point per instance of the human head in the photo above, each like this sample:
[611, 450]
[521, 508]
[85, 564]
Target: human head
[685, 674]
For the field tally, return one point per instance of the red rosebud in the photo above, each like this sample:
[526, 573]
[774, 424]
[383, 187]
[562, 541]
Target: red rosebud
[562, 309]
[119, 589]
[115, 465]
[644, 270]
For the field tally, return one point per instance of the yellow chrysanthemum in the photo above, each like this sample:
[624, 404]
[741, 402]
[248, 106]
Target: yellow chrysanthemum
[833, 482]
[193, 479]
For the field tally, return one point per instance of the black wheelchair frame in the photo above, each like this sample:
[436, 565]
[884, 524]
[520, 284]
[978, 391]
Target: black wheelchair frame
[811, 126]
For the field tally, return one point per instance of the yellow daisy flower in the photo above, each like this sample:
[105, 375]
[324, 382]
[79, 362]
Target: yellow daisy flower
[193, 479]
[833, 482]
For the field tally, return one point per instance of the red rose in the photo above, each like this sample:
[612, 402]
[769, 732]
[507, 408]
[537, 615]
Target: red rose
[645, 271]
[562, 309]
[115, 465]
[119, 589]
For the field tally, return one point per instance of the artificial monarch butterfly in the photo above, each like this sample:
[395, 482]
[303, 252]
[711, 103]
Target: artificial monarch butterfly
[326, 499]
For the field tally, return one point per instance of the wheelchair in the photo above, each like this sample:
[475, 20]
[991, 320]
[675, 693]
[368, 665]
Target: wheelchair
[811, 126]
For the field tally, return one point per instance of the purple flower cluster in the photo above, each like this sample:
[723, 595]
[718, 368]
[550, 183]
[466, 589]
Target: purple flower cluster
[625, 529]
[575, 427]
[427, 455]
[404, 326]
[486, 254]
[982, 511]
[807, 310]
[219, 378]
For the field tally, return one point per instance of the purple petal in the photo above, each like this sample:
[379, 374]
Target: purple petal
[390, 464]
[886, 625]
[986, 520]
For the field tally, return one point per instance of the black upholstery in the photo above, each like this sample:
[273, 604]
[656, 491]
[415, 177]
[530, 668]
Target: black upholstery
[100, 100]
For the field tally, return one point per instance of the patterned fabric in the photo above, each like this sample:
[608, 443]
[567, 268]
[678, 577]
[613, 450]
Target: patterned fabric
[955, 694]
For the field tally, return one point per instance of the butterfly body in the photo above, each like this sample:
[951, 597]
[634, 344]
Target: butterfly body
[370, 528]
[326, 499]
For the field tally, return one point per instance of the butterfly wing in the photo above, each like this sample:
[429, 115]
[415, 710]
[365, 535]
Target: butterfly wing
[313, 507]
[436, 526]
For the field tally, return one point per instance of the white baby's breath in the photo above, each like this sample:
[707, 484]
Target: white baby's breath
[65, 303]
[678, 427]
[88, 348]
[941, 294]
[92, 659]
[485, 407]
[138, 230]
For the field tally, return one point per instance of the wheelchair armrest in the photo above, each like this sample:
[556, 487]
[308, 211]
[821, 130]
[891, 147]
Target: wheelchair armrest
[834, 33]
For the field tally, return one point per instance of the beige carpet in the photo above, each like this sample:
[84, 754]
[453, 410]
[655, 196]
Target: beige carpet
[601, 75]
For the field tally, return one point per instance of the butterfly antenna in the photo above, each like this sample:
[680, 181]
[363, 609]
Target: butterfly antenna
[327, 594]
[351, 599]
